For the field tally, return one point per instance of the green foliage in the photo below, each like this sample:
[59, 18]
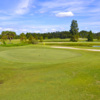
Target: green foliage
[50, 35]
[74, 38]
[90, 36]
[46, 37]
[41, 39]
[35, 36]
[4, 38]
[0, 36]
[4, 42]
[83, 34]
[32, 40]
[8, 34]
[28, 35]
[74, 31]
[23, 37]
[98, 38]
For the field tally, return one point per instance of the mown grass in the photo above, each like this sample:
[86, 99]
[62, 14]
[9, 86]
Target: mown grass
[15, 41]
[68, 40]
[41, 73]
[74, 43]
[56, 40]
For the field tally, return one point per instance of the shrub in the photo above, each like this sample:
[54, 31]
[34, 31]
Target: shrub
[4, 42]
[32, 40]
[41, 39]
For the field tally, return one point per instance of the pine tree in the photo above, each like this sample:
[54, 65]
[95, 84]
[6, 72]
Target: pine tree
[90, 36]
[74, 31]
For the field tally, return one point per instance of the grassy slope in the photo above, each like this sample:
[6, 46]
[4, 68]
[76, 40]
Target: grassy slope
[74, 77]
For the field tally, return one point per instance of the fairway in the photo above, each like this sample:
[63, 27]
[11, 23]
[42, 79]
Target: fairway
[44, 73]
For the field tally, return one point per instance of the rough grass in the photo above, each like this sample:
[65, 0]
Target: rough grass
[67, 74]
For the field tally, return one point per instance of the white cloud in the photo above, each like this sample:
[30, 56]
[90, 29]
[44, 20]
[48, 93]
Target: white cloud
[53, 30]
[8, 29]
[60, 3]
[0, 28]
[23, 30]
[64, 14]
[23, 7]
[37, 31]
[78, 7]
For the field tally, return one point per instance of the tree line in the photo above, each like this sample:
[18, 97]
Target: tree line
[61, 35]
[73, 34]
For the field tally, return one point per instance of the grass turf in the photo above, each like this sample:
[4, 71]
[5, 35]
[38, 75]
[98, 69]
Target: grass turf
[85, 44]
[68, 40]
[43, 73]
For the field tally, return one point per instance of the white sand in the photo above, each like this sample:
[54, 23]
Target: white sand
[75, 48]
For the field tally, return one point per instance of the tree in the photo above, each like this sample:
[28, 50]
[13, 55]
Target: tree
[98, 38]
[0, 36]
[28, 35]
[32, 40]
[23, 37]
[74, 31]
[9, 34]
[83, 34]
[90, 36]
[41, 39]
[4, 38]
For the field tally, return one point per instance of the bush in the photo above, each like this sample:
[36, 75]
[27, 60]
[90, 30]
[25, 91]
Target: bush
[4, 42]
[32, 40]
[41, 39]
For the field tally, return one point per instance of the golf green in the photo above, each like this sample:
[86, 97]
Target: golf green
[39, 55]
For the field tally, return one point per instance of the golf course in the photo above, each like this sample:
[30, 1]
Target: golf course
[40, 72]
[49, 50]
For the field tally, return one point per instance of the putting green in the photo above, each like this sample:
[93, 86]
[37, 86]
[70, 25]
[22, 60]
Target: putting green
[37, 55]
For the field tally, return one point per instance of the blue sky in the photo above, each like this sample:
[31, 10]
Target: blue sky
[48, 15]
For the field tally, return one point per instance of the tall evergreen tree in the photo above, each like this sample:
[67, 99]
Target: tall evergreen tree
[74, 31]
[90, 36]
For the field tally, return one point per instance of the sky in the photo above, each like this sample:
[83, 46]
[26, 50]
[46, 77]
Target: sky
[42, 16]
